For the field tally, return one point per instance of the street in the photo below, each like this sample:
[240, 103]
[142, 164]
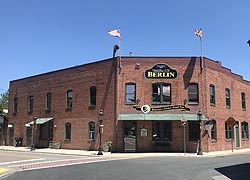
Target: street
[64, 167]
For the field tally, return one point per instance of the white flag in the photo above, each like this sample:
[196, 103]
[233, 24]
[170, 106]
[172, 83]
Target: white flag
[115, 33]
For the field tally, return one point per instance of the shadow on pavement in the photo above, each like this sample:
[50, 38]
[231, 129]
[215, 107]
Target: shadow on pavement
[236, 172]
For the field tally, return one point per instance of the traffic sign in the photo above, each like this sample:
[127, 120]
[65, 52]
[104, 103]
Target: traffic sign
[230, 122]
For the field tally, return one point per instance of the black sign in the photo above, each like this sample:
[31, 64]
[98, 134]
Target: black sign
[161, 71]
[165, 108]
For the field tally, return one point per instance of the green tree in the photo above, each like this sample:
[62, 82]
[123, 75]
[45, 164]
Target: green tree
[4, 102]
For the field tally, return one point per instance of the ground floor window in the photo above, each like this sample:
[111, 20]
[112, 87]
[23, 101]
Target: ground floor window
[67, 131]
[91, 131]
[162, 131]
[228, 131]
[194, 130]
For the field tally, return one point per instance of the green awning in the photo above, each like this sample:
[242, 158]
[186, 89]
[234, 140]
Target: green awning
[160, 117]
[40, 120]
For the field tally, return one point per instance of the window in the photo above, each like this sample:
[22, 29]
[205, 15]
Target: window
[130, 93]
[92, 96]
[244, 129]
[68, 131]
[91, 131]
[194, 130]
[228, 103]
[162, 131]
[15, 104]
[69, 99]
[212, 95]
[193, 95]
[213, 131]
[161, 93]
[243, 101]
[229, 132]
[48, 101]
[30, 104]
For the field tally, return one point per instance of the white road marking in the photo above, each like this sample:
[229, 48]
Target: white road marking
[220, 177]
[22, 161]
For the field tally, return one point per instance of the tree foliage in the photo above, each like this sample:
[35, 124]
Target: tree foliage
[4, 101]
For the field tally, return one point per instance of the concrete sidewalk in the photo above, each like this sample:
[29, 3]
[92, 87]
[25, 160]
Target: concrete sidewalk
[129, 155]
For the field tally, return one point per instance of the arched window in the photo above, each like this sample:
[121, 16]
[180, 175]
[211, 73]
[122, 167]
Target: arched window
[229, 131]
[244, 129]
[212, 95]
[130, 95]
[15, 105]
[30, 104]
[68, 131]
[48, 101]
[193, 93]
[228, 101]
[214, 131]
[91, 129]
[69, 99]
[92, 96]
[243, 101]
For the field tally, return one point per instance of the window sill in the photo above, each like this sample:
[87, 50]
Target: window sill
[193, 103]
[245, 139]
[68, 109]
[211, 104]
[92, 107]
[47, 110]
[30, 112]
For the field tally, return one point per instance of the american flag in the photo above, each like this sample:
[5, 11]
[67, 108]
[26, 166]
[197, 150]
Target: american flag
[198, 32]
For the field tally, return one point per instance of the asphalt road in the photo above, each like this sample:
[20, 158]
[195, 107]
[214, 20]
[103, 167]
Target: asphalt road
[234, 167]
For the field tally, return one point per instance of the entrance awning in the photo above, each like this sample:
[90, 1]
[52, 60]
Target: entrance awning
[40, 121]
[160, 117]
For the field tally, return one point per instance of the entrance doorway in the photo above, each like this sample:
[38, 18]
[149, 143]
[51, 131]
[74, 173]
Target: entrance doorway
[11, 135]
[129, 136]
[29, 136]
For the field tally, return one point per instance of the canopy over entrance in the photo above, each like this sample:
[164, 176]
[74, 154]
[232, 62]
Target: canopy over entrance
[40, 120]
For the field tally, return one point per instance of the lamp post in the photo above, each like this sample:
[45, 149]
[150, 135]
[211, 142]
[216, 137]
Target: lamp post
[100, 118]
[199, 115]
[33, 146]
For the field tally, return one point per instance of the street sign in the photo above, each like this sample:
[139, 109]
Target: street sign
[230, 122]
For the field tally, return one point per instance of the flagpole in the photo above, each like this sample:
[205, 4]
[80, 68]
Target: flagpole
[120, 57]
[201, 53]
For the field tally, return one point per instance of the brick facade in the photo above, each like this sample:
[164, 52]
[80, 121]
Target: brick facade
[110, 81]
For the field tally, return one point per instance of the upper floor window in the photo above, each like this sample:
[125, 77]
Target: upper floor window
[48, 101]
[161, 93]
[30, 104]
[15, 104]
[69, 99]
[244, 128]
[212, 94]
[91, 131]
[68, 131]
[130, 95]
[92, 96]
[243, 101]
[214, 131]
[228, 101]
[229, 131]
[193, 94]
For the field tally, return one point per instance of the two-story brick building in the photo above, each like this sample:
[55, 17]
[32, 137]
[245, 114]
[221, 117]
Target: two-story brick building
[145, 100]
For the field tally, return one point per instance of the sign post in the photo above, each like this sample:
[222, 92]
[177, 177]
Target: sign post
[184, 124]
[231, 122]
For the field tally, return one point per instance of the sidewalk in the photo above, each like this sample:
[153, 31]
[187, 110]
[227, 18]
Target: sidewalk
[130, 155]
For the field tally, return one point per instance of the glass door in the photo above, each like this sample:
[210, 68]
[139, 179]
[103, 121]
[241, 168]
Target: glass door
[129, 136]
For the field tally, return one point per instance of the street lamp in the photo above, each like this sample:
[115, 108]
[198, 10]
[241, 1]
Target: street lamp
[100, 118]
[199, 115]
[33, 146]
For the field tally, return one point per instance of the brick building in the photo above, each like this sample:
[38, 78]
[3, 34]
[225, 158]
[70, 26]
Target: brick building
[149, 104]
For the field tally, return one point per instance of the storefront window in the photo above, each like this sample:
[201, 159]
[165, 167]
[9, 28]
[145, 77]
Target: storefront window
[162, 131]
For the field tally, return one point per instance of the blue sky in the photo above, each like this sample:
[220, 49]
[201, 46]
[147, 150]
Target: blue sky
[38, 36]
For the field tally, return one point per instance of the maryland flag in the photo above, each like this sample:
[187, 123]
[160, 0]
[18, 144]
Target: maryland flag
[198, 32]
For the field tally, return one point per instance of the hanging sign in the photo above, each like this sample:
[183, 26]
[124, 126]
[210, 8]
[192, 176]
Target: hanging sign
[161, 71]
[146, 108]
[144, 132]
